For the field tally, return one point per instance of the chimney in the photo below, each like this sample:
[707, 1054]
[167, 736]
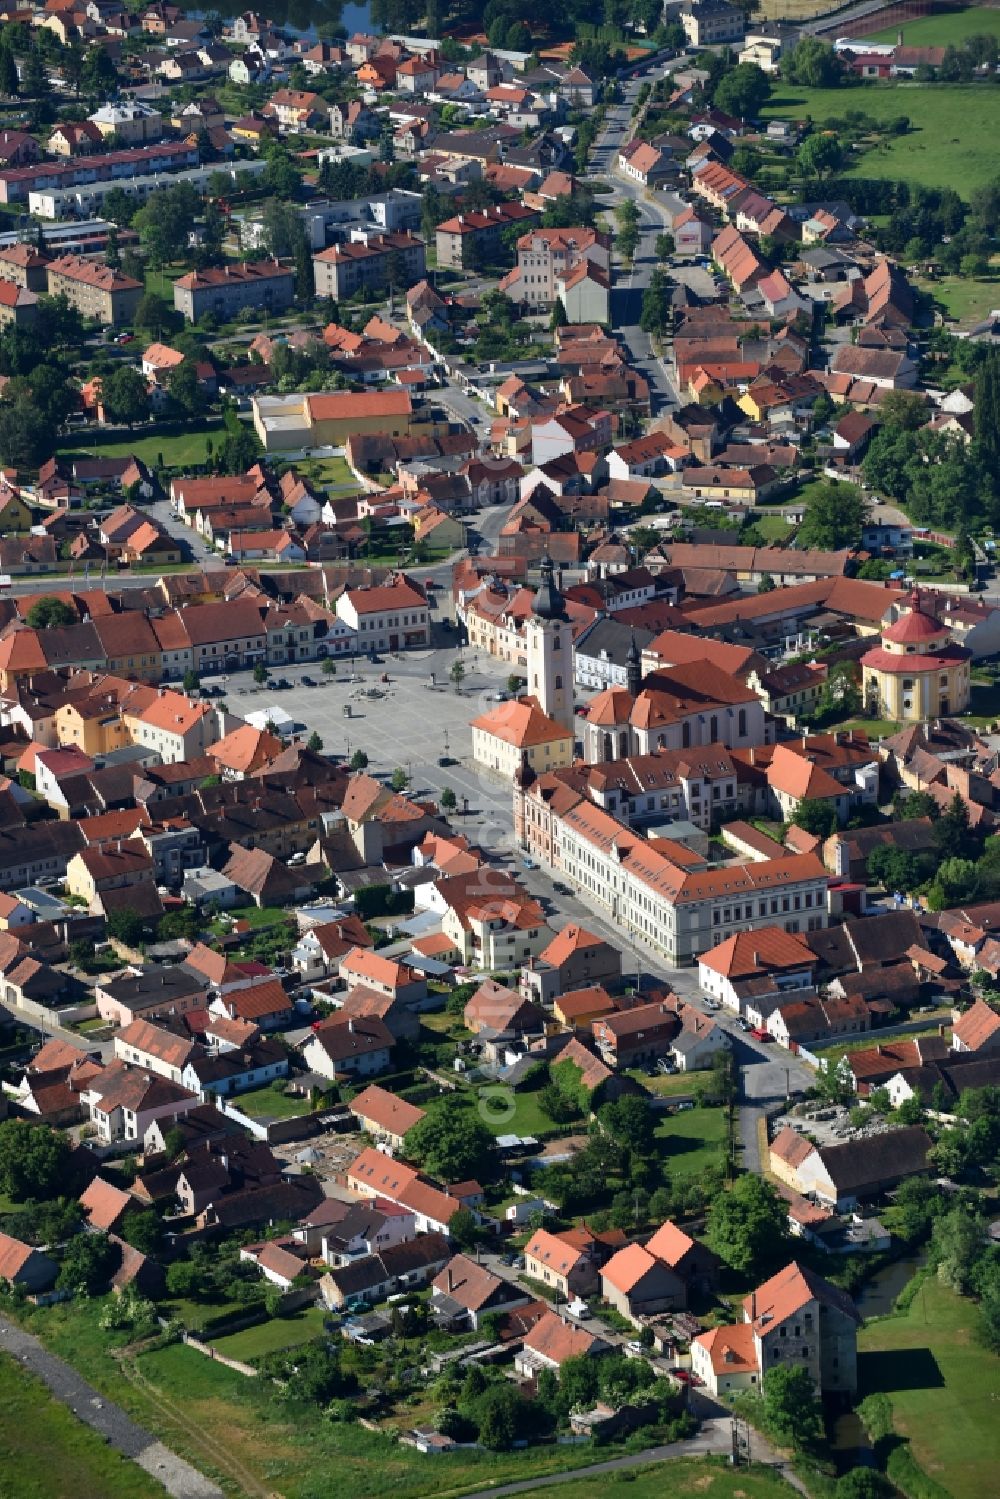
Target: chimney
[753, 1306]
[451, 1279]
[350, 1025]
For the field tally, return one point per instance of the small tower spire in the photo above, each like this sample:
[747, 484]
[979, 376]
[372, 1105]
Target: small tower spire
[633, 668]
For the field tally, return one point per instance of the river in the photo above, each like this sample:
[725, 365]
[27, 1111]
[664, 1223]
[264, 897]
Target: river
[877, 1297]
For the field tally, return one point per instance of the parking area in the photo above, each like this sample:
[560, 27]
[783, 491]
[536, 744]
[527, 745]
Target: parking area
[410, 721]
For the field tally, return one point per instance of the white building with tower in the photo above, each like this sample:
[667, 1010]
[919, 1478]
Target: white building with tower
[538, 728]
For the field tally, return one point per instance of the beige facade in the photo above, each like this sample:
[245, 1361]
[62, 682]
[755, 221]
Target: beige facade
[916, 673]
[94, 289]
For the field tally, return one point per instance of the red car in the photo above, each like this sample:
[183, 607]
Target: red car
[761, 1035]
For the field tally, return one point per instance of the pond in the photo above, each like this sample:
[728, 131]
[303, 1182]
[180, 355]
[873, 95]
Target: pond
[877, 1297]
[307, 18]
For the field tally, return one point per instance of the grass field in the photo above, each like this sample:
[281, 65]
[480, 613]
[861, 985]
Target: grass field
[964, 301]
[942, 1385]
[46, 1451]
[693, 1140]
[329, 473]
[267, 1337]
[707, 1478]
[940, 150]
[944, 30]
[180, 450]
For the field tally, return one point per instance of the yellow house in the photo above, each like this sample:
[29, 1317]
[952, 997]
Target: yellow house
[92, 726]
[15, 512]
[513, 732]
[916, 672]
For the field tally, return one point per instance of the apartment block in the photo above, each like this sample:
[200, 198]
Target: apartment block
[95, 289]
[368, 261]
[226, 290]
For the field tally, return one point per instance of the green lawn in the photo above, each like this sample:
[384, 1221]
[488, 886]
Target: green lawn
[47, 1452]
[707, 1478]
[330, 473]
[693, 1140]
[180, 450]
[951, 28]
[961, 298]
[493, 1107]
[943, 1387]
[875, 728]
[940, 150]
[773, 527]
[254, 916]
[271, 1102]
[267, 1337]
[666, 1085]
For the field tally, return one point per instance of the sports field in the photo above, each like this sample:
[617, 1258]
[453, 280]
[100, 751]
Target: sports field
[942, 31]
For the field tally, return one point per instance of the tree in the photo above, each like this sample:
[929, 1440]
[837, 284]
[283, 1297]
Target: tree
[314, 742]
[191, 680]
[50, 613]
[814, 64]
[816, 817]
[957, 1244]
[952, 836]
[748, 1225]
[457, 674]
[238, 451]
[864, 1483]
[630, 1122]
[447, 801]
[260, 673]
[464, 1229]
[399, 780]
[557, 318]
[126, 926]
[743, 92]
[792, 1410]
[88, 1263]
[358, 761]
[142, 1229]
[820, 155]
[126, 396]
[8, 72]
[26, 438]
[834, 517]
[186, 1280]
[451, 1142]
[34, 1161]
[500, 1416]
[184, 389]
[99, 76]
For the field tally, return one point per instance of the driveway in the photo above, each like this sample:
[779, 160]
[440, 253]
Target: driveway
[109, 1420]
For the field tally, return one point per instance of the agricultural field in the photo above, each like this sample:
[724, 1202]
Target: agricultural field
[939, 150]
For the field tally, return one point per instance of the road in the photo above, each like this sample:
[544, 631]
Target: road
[117, 1428]
[626, 298]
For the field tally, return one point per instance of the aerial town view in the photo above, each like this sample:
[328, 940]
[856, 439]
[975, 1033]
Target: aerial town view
[500, 749]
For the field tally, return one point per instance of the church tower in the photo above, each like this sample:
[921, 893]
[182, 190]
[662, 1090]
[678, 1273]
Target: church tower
[633, 669]
[550, 651]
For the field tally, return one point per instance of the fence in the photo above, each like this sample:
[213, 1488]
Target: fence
[71, 1015]
[219, 1358]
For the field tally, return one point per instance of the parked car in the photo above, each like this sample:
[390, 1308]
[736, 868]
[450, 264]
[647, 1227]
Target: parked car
[529, 863]
[560, 888]
[760, 1034]
[283, 684]
[308, 681]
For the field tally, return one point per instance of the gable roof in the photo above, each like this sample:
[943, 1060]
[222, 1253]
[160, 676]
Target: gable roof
[553, 1339]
